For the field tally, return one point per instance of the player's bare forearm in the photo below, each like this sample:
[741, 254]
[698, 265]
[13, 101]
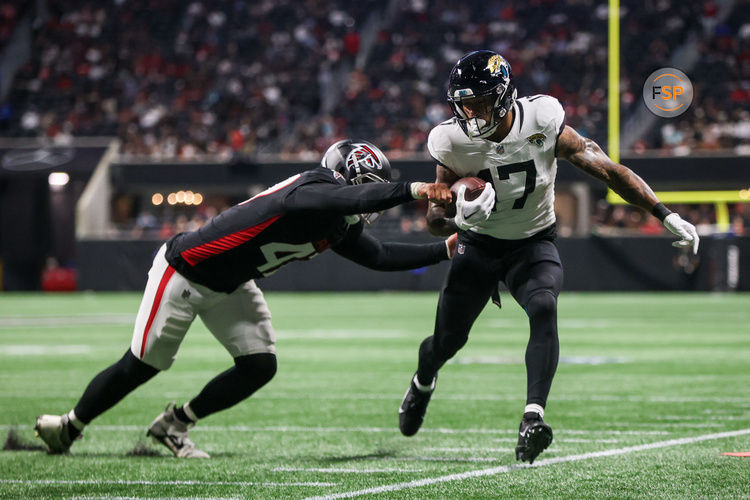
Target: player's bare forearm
[585, 154]
[438, 222]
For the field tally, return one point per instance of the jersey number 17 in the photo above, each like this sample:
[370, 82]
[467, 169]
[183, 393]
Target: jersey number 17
[515, 181]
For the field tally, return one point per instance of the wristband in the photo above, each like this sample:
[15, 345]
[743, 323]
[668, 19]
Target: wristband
[415, 187]
[660, 211]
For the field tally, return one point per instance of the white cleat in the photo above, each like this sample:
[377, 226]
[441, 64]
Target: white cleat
[53, 430]
[170, 431]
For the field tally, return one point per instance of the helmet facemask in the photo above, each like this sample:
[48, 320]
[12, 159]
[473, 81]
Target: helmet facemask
[359, 162]
[476, 127]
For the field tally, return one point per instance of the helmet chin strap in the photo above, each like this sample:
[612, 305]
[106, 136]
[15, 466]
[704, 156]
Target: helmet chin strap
[474, 126]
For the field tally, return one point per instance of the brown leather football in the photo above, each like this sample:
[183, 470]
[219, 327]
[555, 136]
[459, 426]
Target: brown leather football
[474, 187]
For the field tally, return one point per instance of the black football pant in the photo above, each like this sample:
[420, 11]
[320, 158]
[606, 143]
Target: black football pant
[532, 271]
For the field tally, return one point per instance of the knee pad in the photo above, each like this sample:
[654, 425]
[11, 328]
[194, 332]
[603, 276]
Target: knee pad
[260, 368]
[542, 304]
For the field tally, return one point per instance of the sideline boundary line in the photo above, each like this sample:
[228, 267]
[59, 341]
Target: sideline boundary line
[550, 461]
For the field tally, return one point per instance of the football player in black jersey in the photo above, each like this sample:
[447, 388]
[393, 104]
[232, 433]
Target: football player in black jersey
[210, 273]
[508, 233]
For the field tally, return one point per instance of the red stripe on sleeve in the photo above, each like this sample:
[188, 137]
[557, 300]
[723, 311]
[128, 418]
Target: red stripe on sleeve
[155, 306]
[202, 252]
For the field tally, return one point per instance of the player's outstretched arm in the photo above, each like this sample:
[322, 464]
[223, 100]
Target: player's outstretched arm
[366, 250]
[438, 220]
[585, 154]
[362, 198]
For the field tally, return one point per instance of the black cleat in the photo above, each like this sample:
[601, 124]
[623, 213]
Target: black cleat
[534, 436]
[413, 407]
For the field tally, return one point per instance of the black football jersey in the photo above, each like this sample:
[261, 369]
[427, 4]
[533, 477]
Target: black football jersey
[296, 219]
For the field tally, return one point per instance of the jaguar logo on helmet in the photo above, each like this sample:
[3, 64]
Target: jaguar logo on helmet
[494, 65]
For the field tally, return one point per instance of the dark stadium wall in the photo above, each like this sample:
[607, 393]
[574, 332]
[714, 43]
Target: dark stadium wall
[35, 221]
[25, 229]
[591, 264]
[708, 173]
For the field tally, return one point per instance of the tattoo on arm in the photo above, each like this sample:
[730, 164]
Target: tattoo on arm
[439, 221]
[585, 154]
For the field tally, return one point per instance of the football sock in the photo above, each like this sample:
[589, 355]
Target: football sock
[74, 421]
[424, 388]
[427, 368]
[75, 427]
[179, 412]
[249, 373]
[543, 349]
[533, 408]
[189, 412]
[112, 384]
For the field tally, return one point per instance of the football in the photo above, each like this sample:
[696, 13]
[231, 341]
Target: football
[474, 187]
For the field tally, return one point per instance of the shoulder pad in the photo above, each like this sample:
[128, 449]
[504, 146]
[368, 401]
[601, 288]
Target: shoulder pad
[439, 142]
[322, 174]
[542, 112]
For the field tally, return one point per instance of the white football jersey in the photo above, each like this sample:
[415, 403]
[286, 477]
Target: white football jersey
[522, 167]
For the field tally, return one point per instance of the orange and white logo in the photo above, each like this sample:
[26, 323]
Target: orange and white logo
[668, 92]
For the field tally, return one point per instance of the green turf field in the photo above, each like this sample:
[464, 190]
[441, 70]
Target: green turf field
[651, 389]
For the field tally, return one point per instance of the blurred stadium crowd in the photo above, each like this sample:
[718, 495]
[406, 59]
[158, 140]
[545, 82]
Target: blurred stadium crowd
[179, 79]
[286, 78]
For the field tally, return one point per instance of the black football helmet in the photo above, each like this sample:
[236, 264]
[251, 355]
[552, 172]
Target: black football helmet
[478, 74]
[357, 161]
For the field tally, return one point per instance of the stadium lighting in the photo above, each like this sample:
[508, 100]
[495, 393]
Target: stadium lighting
[180, 196]
[172, 198]
[157, 199]
[197, 199]
[58, 179]
[189, 197]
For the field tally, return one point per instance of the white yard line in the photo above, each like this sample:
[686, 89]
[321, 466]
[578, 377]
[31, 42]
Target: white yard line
[350, 333]
[43, 350]
[541, 463]
[472, 449]
[740, 401]
[468, 450]
[331, 470]
[66, 320]
[423, 458]
[160, 483]
[428, 430]
[737, 402]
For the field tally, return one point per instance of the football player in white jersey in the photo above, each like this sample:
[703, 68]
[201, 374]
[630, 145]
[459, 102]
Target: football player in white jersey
[508, 233]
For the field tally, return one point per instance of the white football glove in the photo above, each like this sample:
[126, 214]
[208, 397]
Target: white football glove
[471, 213]
[685, 230]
